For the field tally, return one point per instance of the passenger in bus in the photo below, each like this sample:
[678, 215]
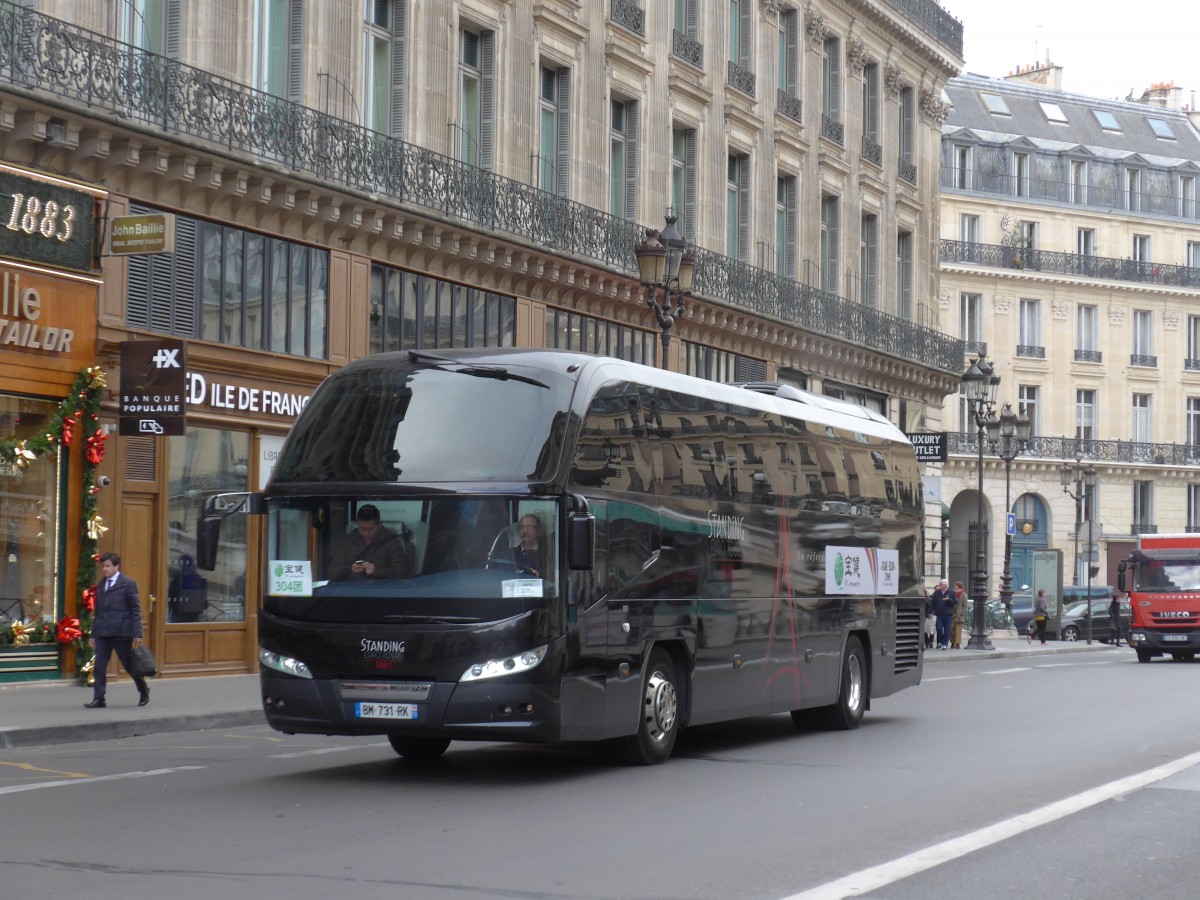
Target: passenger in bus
[529, 554]
[369, 551]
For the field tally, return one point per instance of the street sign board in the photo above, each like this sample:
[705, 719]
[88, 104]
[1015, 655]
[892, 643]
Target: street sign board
[929, 447]
[1012, 524]
[153, 387]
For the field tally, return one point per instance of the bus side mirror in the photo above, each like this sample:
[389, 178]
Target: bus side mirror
[581, 542]
[1121, 567]
[208, 538]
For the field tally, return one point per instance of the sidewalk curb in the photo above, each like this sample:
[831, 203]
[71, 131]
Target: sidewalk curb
[935, 656]
[101, 730]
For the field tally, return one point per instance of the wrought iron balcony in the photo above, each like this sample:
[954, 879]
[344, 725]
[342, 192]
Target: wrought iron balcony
[908, 171]
[934, 21]
[1031, 351]
[788, 105]
[1111, 197]
[1191, 365]
[833, 129]
[1143, 528]
[687, 48]
[1140, 359]
[872, 152]
[1090, 356]
[161, 96]
[998, 256]
[628, 14]
[740, 79]
[975, 348]
[1067, 449]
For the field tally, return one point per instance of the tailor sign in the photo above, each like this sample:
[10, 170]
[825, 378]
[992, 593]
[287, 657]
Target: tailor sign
[153, 387]
[150, 233]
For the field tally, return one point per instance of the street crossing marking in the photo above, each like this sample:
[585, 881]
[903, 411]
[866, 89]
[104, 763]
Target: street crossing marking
[939, 854]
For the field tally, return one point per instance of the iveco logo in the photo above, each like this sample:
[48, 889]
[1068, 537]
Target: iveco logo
[1174, 614]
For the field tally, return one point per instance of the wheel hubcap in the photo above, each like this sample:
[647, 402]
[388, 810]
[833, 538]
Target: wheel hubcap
[661, 706]
[854, 683]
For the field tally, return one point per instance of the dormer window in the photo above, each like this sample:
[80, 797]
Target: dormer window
[1161, 129]
[1106, 119]
[1053, 112]
[995, 104]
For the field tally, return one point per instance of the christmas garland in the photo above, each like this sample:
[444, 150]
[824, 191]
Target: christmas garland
[77, 418]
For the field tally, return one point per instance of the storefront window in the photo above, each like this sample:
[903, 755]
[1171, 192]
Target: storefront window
[203, 462]
[28, 518]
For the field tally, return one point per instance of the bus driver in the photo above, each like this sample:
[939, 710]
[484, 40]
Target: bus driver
[369, 551]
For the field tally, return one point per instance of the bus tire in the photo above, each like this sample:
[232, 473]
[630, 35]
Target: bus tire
[418, 749]
[658, 718]
[847, 713]
[1144, 655]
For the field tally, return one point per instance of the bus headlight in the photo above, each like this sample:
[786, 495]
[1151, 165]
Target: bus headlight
[284, 664]
[508, 665]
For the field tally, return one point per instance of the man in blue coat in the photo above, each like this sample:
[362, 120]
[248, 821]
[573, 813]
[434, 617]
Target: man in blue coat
[116, 624]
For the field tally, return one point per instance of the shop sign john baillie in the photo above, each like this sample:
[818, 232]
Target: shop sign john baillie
[153, 387]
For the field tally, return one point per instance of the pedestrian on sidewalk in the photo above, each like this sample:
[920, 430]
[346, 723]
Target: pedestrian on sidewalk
[960, 616]
[1114, 617]
[116, 625]
[1041, 613]
[942, 602]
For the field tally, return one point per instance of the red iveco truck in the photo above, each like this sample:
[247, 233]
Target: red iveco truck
[1162, 577]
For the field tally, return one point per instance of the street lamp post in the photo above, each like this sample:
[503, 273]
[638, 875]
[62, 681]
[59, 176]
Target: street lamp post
[1008, 438]
[979, 385]
[1077, 480]
[665, 263]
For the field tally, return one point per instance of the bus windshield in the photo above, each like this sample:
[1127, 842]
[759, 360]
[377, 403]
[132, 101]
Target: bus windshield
[361, 559]
[1168, 577]
[420, 421]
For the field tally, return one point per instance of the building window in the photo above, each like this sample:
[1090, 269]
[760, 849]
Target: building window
[417, 312]
[279, 48]
[554, 147]
[870, 101]
[1143, 338]
[1193, 254]
[1085, 415]
[968, 228]
[623, 158]
[1087, 339]
[1143, 419]
[151, 25]
[1028, 403]
[1079, 181]
[1193, 343]
[737, 206]
[683, 180]
[868, 262]
[571, 331]
[1030, 327]
[1133, 189]
[476, 90]
[1141, 248]
[904, 275]
[789, 52]
[908, 114]
[831, 79]
[970, 319]
[1193, 508]
[1193, 425]
[740, 33]
[962, 160]
[1187, 196]
[1085, 241]
[721, 365]
[1029, 235]
[384, 66]
[785, 226]
[1143, 507]
[830, 242]
[1021, 174]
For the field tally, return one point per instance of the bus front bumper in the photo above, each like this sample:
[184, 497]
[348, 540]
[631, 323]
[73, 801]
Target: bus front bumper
[1156, 641]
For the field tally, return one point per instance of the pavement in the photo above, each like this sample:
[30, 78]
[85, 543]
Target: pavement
[52, 712]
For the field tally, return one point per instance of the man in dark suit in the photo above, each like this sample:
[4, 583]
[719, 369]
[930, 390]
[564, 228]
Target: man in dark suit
[529, 555]
[116, 625]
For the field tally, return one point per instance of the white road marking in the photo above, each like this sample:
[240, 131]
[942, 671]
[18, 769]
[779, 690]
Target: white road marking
[939, 854]
[323, 750]
[120, 776]
[1006, 671]
[945, 678]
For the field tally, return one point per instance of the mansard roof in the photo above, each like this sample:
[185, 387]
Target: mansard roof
[1028, 118]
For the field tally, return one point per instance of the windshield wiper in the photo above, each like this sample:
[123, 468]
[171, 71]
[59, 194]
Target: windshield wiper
[434, 620]
[498, 372]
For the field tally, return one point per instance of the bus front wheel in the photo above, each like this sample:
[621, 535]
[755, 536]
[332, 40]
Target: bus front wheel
[1144, 656]
[419, 749]
[847, 713]
[658, 718]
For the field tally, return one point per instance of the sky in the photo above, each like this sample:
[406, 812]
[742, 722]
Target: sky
[1107, 49]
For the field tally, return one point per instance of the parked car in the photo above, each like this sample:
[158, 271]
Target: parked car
[1074, 622]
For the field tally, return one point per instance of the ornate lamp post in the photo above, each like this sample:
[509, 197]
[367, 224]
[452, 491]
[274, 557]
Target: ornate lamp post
[665, 263]
[979, 385]
[1077, 480]
[1008, 438]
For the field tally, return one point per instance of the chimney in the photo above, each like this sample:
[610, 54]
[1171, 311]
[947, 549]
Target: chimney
[1042, 75]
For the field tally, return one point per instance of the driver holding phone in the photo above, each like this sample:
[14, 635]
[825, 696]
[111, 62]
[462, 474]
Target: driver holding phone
[369, 551]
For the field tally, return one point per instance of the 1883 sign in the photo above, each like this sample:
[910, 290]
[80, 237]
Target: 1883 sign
[46, 221]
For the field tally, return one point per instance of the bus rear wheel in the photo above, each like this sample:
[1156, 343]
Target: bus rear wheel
[658, 718]
[847, 713]
[418, 749]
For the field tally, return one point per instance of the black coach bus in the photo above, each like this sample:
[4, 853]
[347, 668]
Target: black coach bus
[534, 545]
